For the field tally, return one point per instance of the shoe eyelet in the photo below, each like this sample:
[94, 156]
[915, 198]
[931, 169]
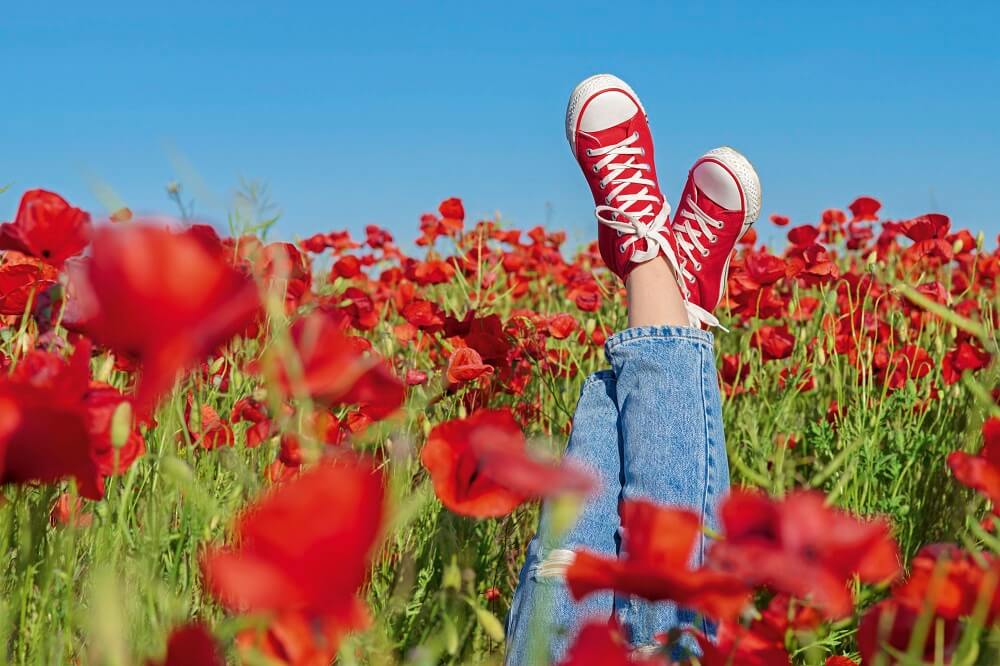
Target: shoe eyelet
[607, 200]
[590, 153]
[642, 152]
[595, 168]
[603, 184]
[704, 253]
[713, 239]
[619, 232]
[622, 247]
[697, 267]
[635, 135]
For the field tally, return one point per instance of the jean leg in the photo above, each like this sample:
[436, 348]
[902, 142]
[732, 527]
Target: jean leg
[674, 451]
[542, 610]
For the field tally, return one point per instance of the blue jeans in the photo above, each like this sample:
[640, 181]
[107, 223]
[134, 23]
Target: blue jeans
[651, 427]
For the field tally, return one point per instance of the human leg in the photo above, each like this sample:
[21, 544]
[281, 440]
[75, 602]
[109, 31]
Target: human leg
[544, 618]
[670, 412]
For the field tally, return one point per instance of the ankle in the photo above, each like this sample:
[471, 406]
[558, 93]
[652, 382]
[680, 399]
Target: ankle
[654, 299]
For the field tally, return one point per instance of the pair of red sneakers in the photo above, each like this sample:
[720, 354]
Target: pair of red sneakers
[609, 134]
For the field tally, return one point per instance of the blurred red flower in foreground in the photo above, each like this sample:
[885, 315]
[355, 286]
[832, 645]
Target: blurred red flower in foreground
[736, 644]
[44, 424]
[190, 645]
[659, 542]
[480, 467]
[163, 298]
[601, 643]
[335, 370]
[304, 549]
[46, 227]
[981, 471]
[801, 547]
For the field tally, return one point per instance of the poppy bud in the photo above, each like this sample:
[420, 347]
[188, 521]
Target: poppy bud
[121, 424]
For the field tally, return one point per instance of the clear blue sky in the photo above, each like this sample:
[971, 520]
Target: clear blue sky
[373, 112]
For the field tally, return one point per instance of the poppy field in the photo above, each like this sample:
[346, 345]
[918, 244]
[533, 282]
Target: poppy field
[225, 449]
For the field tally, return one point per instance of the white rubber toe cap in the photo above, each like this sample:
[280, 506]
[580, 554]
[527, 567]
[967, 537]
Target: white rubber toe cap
[615, 103]
[713, 180]
[607, 109]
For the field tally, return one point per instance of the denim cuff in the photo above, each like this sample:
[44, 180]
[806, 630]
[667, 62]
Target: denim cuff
[664, 332]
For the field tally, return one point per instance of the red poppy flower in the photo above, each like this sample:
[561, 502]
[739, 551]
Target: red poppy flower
[424, 315]
[839, 661]
[191, 645]
[601, 643]
[102, 402]
[304, 547]
[965, 356]
[347, 267]
[45, 424]
[803, 548]
[981, 471]
[69, 511]
[783, 614]
[293, 639]
[452, 209]
[764, 269]
[484, 334]
[206, 427]
[588, 301]
[780, 220]
[659, 543]
[415, 377]
[735, 644]
[335, 372]
[23, 282]
[561, 326]
[749, 238]
[865, 208]
[891, 624]
[248, 409]
[803, 235]
[480, 468]
[190, 301]
[951, 583]
[910, 362]
[46, 227]
[774, 342]
[466, 365]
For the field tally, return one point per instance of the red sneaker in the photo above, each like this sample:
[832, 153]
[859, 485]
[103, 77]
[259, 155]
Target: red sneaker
[721, 201]
[608, 133]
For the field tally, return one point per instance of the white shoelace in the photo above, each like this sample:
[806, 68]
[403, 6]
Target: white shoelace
[644, 223]
[689, 239]
[633, 222]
